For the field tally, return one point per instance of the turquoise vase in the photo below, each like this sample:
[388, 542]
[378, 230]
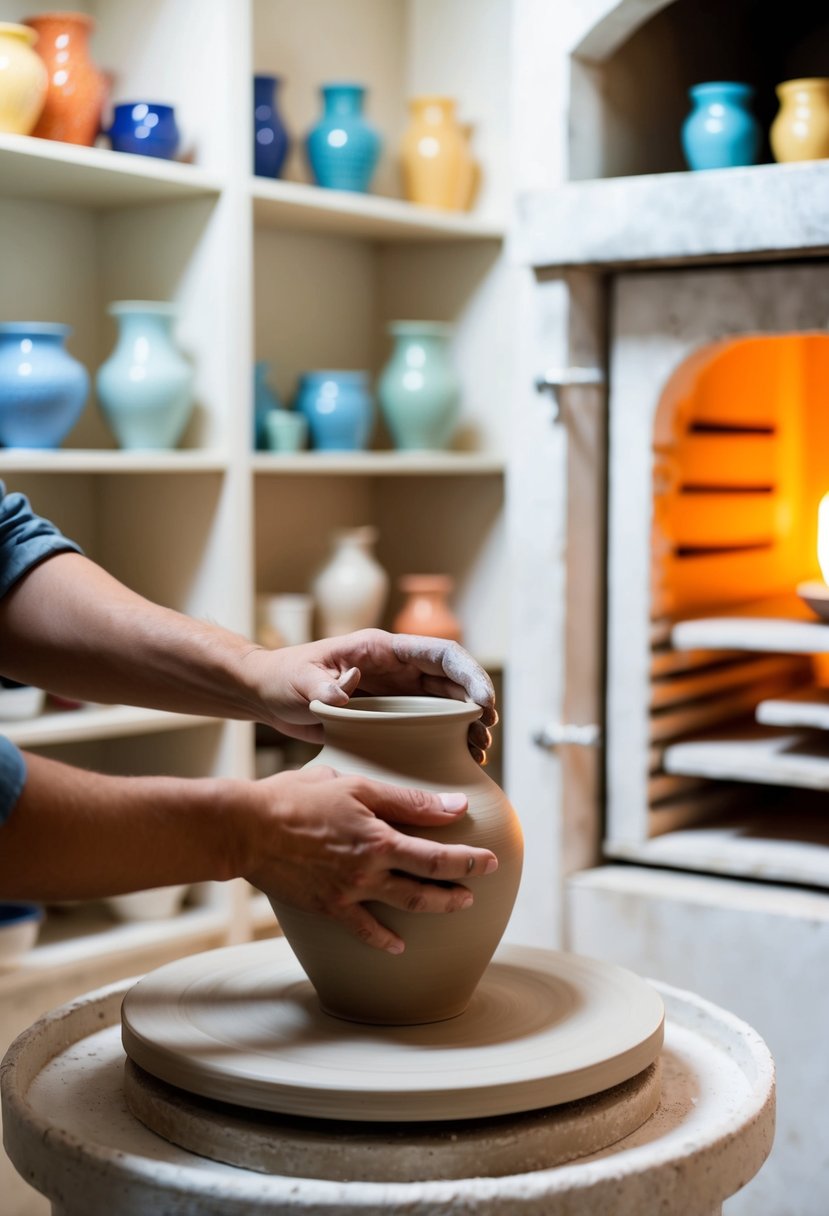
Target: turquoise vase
[42, 388]
[265, 401]
[145, 387]
[418, 389]
[721, 132]
[339, 408]
[343, 149]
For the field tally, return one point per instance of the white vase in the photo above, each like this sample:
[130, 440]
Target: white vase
[350, 591]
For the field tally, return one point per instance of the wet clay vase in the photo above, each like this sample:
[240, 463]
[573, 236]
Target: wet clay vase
[801, 129]
[418, 388]
[350, 590]
[343, 148]
[417, 742]
[720, 132]
[438, 170]
[270, 139]
[77, 89]
[425, 610]
[42, 387]
[23, 79]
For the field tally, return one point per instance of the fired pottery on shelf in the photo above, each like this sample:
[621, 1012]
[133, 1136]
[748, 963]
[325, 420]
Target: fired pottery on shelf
[339, 409]
[265, 400]
[270, 138]
[721, 131]
[800, 130]
[157, 904]
[145, 129]
[77, 90]
[19, 701]
[351, 588]
[438, 169]
[23, 79]
[19, 928]
[343, 148]
[286, 430]
[145, 387]
[425, 610]
[284, 620]
[42, 387]
[416, 742]
[418, 389]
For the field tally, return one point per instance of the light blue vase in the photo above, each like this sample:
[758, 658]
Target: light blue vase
[145, 387]
[418, 389]
[42, 387]
[721, 132]
[265, 400]
[339, 408]
[343, 149]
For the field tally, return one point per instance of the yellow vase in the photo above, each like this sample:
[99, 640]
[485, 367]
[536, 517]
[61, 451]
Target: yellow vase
[23, 79]
[437, 166]
[801, 129]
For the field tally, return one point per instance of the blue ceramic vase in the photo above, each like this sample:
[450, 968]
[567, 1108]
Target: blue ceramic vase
[270, 139]
[418, 388]
[42, 387]
[721, 132]
[343, 149]
[265, 401]
[339, 408]
[145, 387]
[145, 129]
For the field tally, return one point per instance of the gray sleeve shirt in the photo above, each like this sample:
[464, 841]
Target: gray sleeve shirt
[25, 540]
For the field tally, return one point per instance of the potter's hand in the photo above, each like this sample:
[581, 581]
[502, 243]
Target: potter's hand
[379, 663]
[324, 841]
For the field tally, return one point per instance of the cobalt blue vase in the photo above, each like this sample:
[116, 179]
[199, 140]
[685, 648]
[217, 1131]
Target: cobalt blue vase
[42, 387]
[343, 149]
[721, 132]
[270, 139]
[339, 408]
[145, 129]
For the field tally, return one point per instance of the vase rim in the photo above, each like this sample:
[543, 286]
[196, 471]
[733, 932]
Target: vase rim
[433, 99]
[362, 534]
[426, 582]
[151, 105]
[430, 329]
[344, 86]
[42, 329]
[325, 373]
[64, 15]
[719, 86]
[18, 30]
[803, 82]
[427, 710]
[271, 77]
[162, 308]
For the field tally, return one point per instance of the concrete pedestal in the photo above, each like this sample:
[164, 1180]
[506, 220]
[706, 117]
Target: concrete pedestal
[69, 1133]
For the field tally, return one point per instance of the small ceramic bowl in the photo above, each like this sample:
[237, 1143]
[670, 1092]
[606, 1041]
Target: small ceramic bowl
[20, 701]
[158, 904]
[19, 927]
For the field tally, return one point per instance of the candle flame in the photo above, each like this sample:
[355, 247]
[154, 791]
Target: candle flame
[823, 537]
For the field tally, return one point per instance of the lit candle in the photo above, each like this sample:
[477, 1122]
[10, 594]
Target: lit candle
[815, 593]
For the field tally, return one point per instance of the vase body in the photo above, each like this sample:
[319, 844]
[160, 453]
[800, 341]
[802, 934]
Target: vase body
[23, 79]
[800, 130]
[270, 138]
[145, 387]
[418, 389]
[426, 611]
[42, 387]
[721, 132]
[77, 89]
[145, 129]
[418, 742]
[339, 409]
[350, 590]
[343, 148]
[438, 170]
[265, 401]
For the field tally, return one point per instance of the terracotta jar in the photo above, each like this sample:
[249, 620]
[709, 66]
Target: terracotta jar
[801, 129]
[77, 89]
[437, 166]
[425, 610]
[416, 742]
[22, 79]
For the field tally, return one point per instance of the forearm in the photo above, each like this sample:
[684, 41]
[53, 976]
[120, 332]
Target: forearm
[80, 835]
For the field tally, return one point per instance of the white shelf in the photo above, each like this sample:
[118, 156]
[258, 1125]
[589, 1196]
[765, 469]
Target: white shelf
[94, 177]
[85, 460]
[313, 209]
[756, 756]
[809, 707]
[97, 722]
[780, 626]
[381, 464]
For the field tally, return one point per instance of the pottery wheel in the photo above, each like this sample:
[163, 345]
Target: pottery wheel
[242, 1025]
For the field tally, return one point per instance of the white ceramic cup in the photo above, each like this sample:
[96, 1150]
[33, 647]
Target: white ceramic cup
[284, 620]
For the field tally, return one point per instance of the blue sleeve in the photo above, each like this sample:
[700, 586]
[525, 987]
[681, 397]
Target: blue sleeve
[25, 539]
[12, 777]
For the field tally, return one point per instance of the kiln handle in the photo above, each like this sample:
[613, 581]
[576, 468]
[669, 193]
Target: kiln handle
[560, 733]
[557, 381]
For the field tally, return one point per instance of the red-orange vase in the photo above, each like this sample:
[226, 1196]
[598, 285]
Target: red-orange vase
[77, 89]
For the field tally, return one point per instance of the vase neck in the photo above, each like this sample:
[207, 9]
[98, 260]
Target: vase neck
[434, 110]
[145, 322]
[343, 99]
[714, 91]
[265, 87]
[68, 32]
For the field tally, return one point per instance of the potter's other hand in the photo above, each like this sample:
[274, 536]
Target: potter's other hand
[324, 842]
[383, 664]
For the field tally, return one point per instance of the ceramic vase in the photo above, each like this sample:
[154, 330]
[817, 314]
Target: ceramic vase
[350, 590]
[265, 401]
[339, 408]
[416, 742]
[145, 129]
[418, 389]
[343, 148]
[77, 89]
[42, 387]
[800, 130]
[23, 79]
[426, 609]
[145, 387]
[270, 138]
[720, 132]
[438, 170]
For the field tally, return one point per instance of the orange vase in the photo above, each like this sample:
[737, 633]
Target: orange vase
[426, 611]
[437, 165]
[77, 89]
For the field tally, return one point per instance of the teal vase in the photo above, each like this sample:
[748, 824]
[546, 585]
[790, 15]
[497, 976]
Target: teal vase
[343, 149]
[721, 132]
[418, 389]
[145, 387]
[265, 401]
